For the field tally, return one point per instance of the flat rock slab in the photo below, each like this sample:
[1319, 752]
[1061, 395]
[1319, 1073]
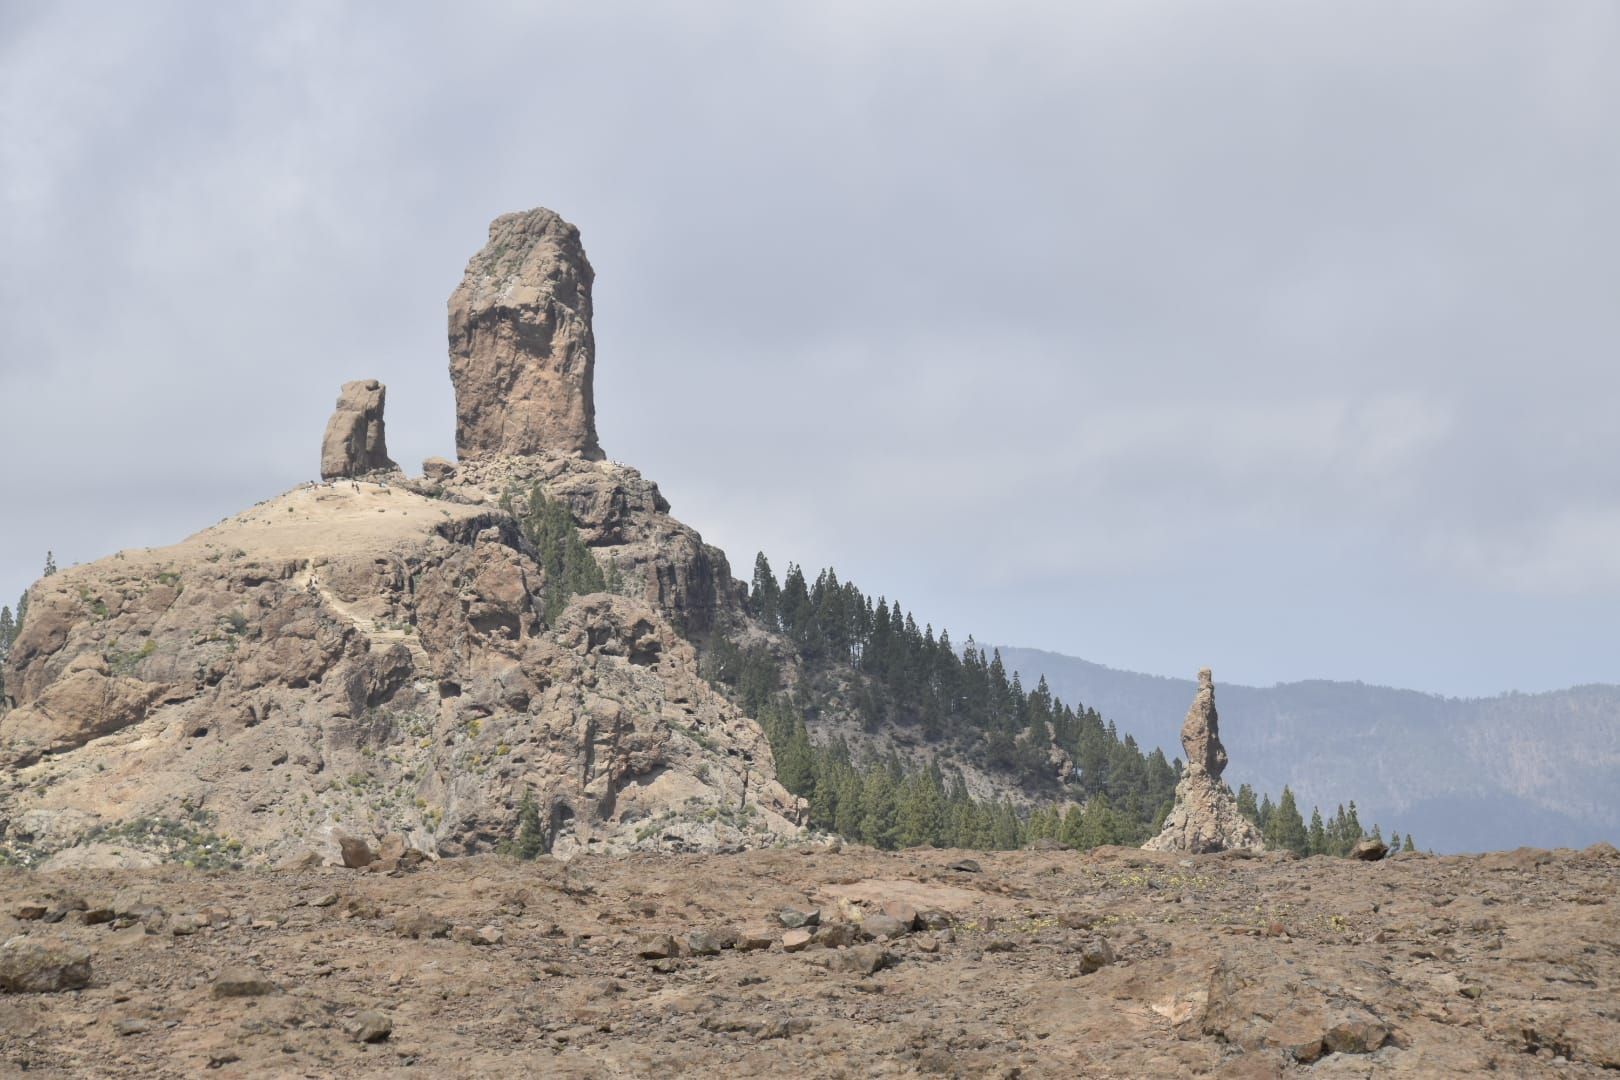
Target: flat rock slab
[921, 895]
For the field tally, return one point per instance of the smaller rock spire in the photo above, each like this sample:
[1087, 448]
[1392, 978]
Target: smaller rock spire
[1205, 817]
[1200, 732]
[355, 443]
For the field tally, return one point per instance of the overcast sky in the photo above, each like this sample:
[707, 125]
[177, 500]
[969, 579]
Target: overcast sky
[1275, 337]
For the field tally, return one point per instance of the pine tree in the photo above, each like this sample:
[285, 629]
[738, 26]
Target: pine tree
[530, 842]
[50, 565]
[1318, 835]
[765, 595]
[1287, 828]
[1409, 846]
[1246, 804]
[568, 565]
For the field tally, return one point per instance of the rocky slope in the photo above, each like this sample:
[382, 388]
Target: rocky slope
[1462, 774]
[1115, 963]
[362, 657]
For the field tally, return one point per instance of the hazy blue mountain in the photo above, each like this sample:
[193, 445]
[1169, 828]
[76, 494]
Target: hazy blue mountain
[1463, 774]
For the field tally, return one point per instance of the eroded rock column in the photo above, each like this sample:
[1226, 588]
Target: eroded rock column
[522, 354]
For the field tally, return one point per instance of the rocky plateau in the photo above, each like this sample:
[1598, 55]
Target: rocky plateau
[812, 961]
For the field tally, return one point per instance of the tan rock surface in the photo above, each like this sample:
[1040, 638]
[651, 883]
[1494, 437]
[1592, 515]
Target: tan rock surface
[1116, 963]
[522, 352]
[356, 442]
[372, 662]
[1205, 816]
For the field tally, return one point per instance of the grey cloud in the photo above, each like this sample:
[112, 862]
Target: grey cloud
[1058, 321]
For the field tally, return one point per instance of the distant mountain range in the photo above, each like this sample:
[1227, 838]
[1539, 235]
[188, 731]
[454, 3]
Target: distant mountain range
[1469, 774]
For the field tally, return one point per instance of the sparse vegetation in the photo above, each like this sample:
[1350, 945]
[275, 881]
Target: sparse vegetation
[188, 841]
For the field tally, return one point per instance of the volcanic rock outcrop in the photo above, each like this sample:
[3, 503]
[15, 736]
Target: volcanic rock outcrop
[355, 443]
[522, 353]
[1205, 817]
[374, 660]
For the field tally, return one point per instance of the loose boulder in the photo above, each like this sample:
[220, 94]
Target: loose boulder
[28, 966]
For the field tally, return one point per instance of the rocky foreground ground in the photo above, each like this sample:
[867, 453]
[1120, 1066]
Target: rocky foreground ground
[1032, 963]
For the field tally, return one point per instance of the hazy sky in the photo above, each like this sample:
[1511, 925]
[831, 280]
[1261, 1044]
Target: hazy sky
[1276, 337]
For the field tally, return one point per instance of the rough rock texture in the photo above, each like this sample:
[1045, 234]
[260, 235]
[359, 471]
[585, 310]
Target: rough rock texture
[522, 354]
[355, 443]
[1201, 732]
[1113, 963]
[363, 662]
[1205, 817]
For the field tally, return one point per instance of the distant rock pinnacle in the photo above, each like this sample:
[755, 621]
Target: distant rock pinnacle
[1205, 817]
[522, 354]
[1200, 732]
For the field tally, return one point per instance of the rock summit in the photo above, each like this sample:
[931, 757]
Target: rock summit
[1205, 817]
[522, 353]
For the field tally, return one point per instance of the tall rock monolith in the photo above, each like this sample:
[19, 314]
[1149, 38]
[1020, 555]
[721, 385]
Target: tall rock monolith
[1205, 817]
[355, 442]
[522, 353]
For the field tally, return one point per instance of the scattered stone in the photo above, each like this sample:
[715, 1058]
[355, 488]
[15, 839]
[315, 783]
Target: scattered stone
[860, 959]
[704, 942]
[754, 940]
[884, 927]
[904, 912]
[357, 854]
[657, 947]
[326, 900]
[1355, 1037]
[187, 924]
[372, 1026]
[797, 939]
[484, 935]
[666, 966]
[392, 848]
[32, 966]
[1095, 955]
[1000, 944]
[1369, 849]
[438, 468]
[420, 925]
[242, 981]
[30, 912]
[835, 935]
[934, 919]
[131, 1026]
[793, 918]
[96, 916]
[964, 866]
